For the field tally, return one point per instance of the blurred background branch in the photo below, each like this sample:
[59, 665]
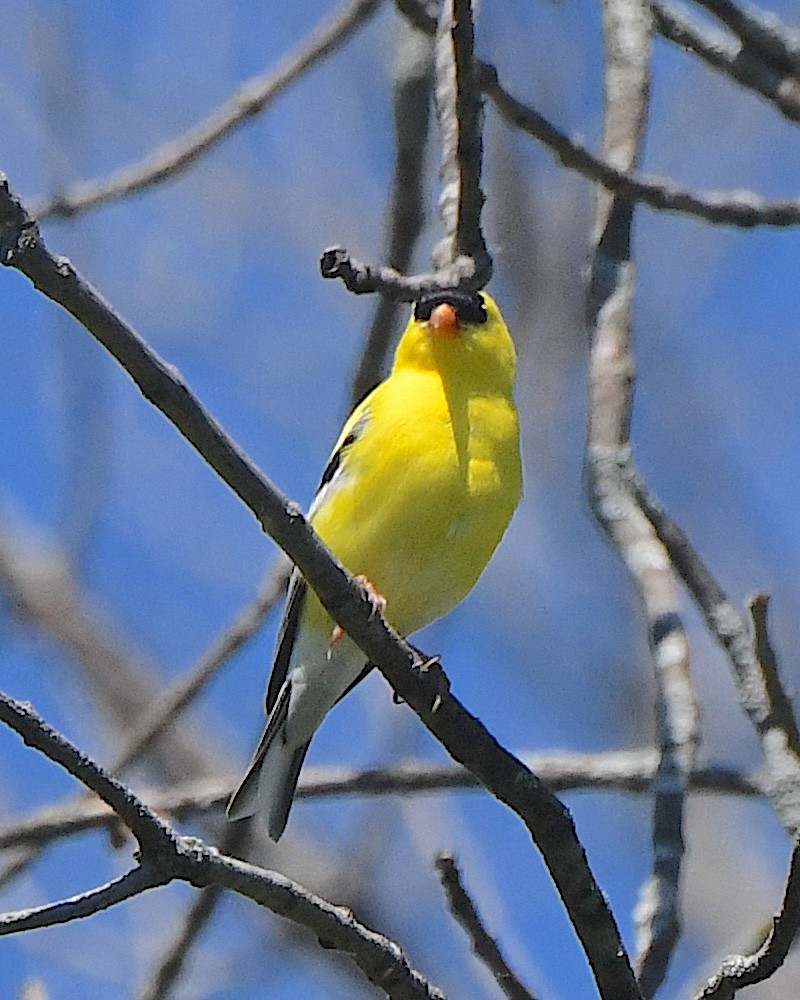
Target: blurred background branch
[549, 649]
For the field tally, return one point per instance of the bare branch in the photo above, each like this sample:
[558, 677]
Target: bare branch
[465, 738]
[249, 100]
[458, 106]
[780, 703]
[132, 883]
[739, 971]
[628, 38]
[165, 857]
[143, 823]
[743, 209]
[483, 944]
[380, 959]
[625, 771]
[729, 627]
[764, 35]
[731, 57]
[461, 258]
[361, 278]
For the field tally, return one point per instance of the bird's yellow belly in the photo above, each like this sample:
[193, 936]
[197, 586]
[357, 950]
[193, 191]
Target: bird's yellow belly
[423, 522]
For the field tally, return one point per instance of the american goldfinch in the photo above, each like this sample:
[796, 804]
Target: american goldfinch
[417, 494]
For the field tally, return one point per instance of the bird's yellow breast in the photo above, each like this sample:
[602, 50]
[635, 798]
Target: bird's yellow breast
[425, 493]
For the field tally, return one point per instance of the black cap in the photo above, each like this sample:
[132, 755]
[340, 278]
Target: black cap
[469, 306]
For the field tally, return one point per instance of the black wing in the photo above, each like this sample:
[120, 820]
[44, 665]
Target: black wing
[283, 650]
[298, 586]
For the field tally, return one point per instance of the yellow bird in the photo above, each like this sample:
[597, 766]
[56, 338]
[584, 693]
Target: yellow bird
[418, 492]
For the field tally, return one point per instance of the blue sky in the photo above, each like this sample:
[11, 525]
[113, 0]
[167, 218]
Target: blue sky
[218, 270]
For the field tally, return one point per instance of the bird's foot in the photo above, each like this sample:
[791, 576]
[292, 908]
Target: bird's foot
[336, 635]
[376, 600]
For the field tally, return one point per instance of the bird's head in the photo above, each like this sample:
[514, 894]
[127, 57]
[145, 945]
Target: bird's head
[463, 336]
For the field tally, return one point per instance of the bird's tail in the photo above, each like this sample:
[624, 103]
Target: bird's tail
[269, 785]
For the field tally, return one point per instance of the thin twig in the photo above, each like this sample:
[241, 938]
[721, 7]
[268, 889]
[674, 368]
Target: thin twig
[731, 57]
[361, 278]
[165, 857]
[742, 208]
[461, 259]
[780, 702]
[464, 737]
[628, 43]
[86, 904]
[483, 944]
[460, 114]
[739, 971]
[249, 100]
[766, 36]
[630, 772]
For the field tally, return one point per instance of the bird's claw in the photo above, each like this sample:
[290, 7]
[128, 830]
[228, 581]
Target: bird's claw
[377, 603]
[434, 664]
[336, 635]
[376, 600]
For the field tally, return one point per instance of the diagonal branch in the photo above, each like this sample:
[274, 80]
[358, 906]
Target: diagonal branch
[731, 57]
[730, 628]
[132, 883]
[766, 36]
[483, 944]
[743, 209]
[165, 857]
[150, 832]
[464, 737]
[780, 703]
[249, 100]
[740, 971]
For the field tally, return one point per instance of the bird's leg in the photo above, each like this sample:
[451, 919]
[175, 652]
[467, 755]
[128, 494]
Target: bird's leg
[377, 601]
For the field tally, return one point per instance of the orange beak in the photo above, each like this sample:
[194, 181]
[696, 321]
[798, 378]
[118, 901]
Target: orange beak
[444, 320]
